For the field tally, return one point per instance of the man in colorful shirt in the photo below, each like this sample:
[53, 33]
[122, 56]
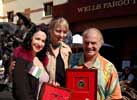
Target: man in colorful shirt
[108, 82]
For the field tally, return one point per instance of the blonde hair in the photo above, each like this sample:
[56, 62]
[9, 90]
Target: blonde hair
[91, 31]
[56, 22]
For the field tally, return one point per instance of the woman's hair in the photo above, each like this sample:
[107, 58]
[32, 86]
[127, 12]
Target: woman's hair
[56, 22]
[28, 39]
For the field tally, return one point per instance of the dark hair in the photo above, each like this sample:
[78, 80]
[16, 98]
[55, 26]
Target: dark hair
[28, 39]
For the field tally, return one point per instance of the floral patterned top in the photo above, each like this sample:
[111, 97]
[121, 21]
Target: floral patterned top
[108, 81]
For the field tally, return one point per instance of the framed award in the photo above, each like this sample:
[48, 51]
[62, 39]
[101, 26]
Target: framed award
[82, 83]
[50, 92]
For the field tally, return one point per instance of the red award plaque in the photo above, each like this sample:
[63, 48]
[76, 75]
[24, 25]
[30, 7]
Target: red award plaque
[49, 92]
[83, 83]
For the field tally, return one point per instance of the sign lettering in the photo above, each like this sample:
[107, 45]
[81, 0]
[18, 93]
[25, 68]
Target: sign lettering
[106, 5]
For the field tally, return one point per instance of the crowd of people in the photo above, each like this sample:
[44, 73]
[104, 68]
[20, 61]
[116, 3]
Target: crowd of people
[43, 56]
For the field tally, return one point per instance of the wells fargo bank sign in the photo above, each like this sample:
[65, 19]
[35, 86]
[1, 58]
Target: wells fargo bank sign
[105, 5]
[94, 9]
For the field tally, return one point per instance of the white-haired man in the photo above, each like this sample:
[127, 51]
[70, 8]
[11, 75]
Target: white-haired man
[108, 82]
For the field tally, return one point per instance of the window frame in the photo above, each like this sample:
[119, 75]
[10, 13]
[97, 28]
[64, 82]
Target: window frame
[48, 8]
[10, 16]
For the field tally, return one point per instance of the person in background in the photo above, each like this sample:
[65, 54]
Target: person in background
[127, 76]
[31, 59]
[59, 52]
[108, 87]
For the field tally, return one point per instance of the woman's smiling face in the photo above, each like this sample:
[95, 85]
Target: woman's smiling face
[59, 34]
[38, 41]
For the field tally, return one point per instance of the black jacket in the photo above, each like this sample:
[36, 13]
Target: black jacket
[25, 86]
